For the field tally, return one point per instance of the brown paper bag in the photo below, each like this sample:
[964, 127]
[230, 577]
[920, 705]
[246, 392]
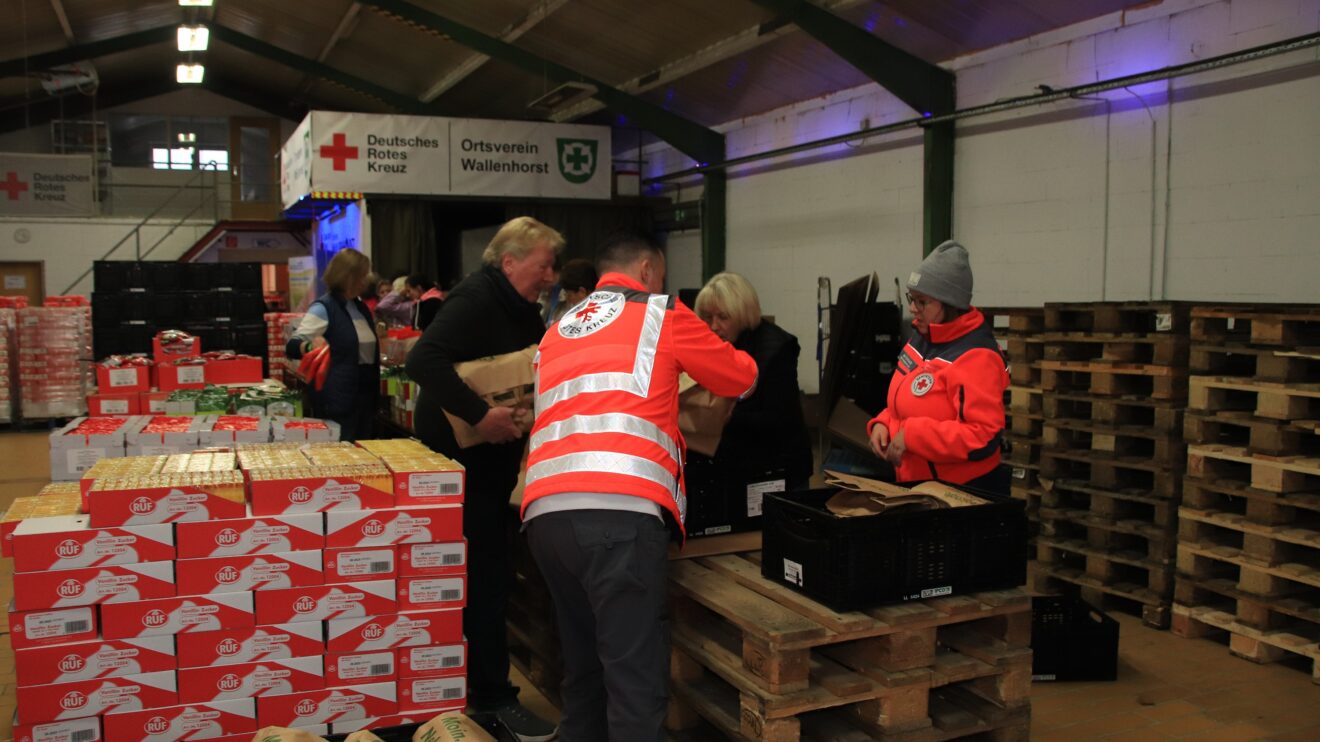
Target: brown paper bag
[503, 381]
[888, 495]
[701, 416]
[451, 726]
[283, 734]
[364, 735]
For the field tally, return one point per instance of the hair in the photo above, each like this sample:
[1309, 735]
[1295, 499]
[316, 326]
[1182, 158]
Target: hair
[347, 265]
[518, 237]
[400, 284]
[623, 249]
[373, 286]
[419, 281]
[578, 275]
[732, 295]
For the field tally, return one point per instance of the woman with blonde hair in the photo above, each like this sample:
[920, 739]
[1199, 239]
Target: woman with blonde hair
[767, 430]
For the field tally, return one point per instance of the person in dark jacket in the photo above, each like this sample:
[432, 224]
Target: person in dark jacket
[427, 300]
[342, 320]
[766, 431]
[492, 312]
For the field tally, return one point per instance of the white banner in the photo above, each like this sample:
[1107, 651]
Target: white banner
[46, 185]
[296, 164]
[420, 155]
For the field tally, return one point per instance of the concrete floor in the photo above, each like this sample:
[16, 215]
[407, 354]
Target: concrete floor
[1168, 687]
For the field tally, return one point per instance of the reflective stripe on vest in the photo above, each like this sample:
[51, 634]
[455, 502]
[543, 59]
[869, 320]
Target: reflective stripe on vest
[638, 382]
[608, 462]
[613, 422]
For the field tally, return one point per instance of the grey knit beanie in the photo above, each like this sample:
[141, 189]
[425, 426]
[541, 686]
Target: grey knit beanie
[945, 275]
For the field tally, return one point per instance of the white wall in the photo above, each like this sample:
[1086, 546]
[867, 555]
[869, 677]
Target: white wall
[1066, 201]
[683, 256]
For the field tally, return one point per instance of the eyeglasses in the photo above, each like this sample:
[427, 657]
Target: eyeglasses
[919, 304]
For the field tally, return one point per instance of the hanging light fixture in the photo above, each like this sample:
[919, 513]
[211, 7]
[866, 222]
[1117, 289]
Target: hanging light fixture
[193, 38]
[195, 3]
[190, 73]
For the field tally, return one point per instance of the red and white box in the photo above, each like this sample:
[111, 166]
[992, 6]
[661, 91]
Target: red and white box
[386, 722]
[152, 403]
[399, 526]
[122, 379]
[170, 377]
[38, 703]
[87, 729]
[250, 572]
[347, 668]
[419, 560]
[162, 353]
[425, 693]
[438, 661]
[114, 403]
[162, 504]
[303, 430]
[419, 629]
[355, 565]
[59, 626]
[238, 646]
[101, 658]
[120, 583]
[222, 430]
[423, 489]
[251, 535]
[315, 495]
[179, 615]
[69, 542]
[239, 370]
[426, 593]
[326, 706]
[324, 602]
[210, 721]
[251, 679]
[156, 435]
[83, 442]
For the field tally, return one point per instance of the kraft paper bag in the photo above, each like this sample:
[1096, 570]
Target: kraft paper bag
[451, 726]
[283, 734]
[862, 496]
[701, 416]
[363, 736]
[503, 381]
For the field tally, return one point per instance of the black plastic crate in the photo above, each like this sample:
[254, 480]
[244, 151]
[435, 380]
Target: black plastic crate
[204, 332]
[199, 306]
[136, 306]
[105, 341]
[109, 276]
[248, 306]
[861, 562]
[107, 309]
[167, 308]
[168, 276]
[250, 339]
[222, 306]
[222, 338]
[247, 277]
[718, 498]
[197, 276]
[222, 275]
[1072, 640]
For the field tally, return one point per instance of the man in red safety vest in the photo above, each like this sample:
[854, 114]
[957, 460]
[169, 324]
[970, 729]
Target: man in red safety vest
[605, 475]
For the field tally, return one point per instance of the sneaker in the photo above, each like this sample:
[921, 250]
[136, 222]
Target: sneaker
[524, 725]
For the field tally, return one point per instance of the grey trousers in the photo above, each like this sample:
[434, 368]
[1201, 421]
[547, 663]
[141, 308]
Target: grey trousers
[606, 570]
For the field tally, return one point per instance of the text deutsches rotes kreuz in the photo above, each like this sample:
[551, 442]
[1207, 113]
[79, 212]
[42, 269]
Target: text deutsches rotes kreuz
[390, 154]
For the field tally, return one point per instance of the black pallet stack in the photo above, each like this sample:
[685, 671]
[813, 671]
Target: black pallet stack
[221, 303]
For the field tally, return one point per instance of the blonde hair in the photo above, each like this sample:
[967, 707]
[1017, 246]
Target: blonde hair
[400, 284]
[518, 237]
[347, 264]
[733, 295]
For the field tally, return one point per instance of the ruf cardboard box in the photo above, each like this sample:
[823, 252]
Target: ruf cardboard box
[250, 644]
[120, 583]
[178, 615]
[425, 693]
[265, 534]
[99, 658]
[354, 565]
[139, 440]
[404, 525]
[69, 542]
[83, 442]
[328, 705]
[123, 379]
[170, 501]
[293, 429]
[211, 721]
[87, 729]
[317, 495]
[425, 593]
[223, 430]
[417, 629]
[251, 679]
[324, 602]
[229, 574]
[58, 626]
[114, 403]
[436, 661]
[38, 703]
[423, 560]
[346, 668]
[427, 488]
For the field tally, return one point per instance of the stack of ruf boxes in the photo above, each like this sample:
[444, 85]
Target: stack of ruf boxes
[205, 595]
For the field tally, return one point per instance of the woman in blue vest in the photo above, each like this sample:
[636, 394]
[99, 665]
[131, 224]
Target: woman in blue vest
[341, 319]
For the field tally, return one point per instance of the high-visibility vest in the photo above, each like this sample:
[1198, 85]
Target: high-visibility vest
[607, 394]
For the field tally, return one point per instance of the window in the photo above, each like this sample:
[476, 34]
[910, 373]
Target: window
[178, 158]
[219, 157]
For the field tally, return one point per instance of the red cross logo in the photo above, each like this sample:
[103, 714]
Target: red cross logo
[585, 313]
[922, 384]
[13, 186]
[339, 152]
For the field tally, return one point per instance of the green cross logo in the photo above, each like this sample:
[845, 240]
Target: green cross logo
[577, 159]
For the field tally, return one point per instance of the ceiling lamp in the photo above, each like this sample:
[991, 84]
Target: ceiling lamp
[193, 38]
[195, 3]
[190, 73]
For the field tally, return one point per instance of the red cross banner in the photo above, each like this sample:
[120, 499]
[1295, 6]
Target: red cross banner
[424, 155]
[46, 185]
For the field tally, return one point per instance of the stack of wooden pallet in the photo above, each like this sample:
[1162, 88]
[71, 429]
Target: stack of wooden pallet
[757, 661]
[1115, 381]
[1018, 330]
[1249, 537]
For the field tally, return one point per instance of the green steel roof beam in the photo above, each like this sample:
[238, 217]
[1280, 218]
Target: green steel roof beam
[91, 50]
[694, 140]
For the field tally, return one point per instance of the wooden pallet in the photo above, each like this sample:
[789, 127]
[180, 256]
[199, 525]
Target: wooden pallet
[1024, 424]
[1204, 554]
[1158, 349]
[1109, 505]
[774, 656]
[1264, 364]
[1274, 400]
[1285, 325]
[1257, 506]
[1282, 474]
[1130, 597]
[1257, 611]
[1256, 434]
[1028, 399]
[1158, 543]
[1015, 321]
[1022, 452]
[1114, 379]
[1246, 641]
[1127, 442]
[1107, 472]
[1116, 317]
[1109, 565]
[1114, 411]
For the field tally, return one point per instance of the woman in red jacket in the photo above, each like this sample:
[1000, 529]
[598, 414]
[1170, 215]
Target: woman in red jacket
[945, 418]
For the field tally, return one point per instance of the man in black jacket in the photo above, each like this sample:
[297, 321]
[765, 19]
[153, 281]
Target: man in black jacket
[492, 312]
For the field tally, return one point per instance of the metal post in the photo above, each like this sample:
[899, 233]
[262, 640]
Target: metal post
[937, 182]
[714, 224]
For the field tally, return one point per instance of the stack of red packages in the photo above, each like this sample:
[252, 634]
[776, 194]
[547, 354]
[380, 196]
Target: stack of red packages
[280, 326]
[120, 383]
[8, 357]
[53, 344]
[66, 301]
